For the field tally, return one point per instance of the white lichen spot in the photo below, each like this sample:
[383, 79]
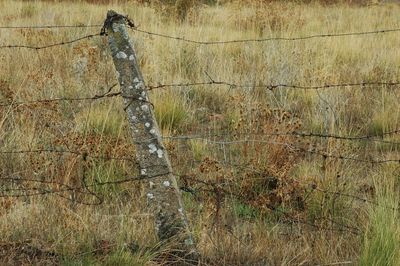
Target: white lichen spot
[180, 210]
[115, 28]
[152, 131]
[121, 55]
[152, 148]
[126, 37]
[166, 183]
[140, 99]
[136, 80]
[143, 94]
[117, 73]
[147, 124]
[130, 113]
[151, 183]
[137, 109]
[150, 196]
[143, 171]
[143, 116]
[136, 131]
[144, 107]
[160, 153]
[130, 87]
[131, 57]
[134, 118]
[139, 86]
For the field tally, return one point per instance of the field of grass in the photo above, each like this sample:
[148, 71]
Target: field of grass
[254, 192]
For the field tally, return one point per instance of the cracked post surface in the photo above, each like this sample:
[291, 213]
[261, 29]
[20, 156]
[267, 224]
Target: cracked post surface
[163, 194]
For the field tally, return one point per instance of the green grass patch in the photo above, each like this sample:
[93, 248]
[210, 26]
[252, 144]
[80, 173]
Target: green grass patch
[381, 240]
[171, 111]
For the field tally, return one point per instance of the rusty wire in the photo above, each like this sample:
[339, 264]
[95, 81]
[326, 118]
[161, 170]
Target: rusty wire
[42, 47]
[299, 38]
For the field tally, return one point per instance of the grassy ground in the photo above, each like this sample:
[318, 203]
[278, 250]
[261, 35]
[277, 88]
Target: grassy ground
[276, 204]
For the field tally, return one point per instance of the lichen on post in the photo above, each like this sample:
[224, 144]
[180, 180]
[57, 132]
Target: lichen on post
[163, 194]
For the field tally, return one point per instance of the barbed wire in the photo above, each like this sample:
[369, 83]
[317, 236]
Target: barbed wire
[68, 188]
[274, 86]
[212, 82]
[208, 136]
[216, 188]
[290, 146]
[299, 38]
[132, 26]
[84, 154]
[41, 47]
[52, 26]
[220, 192]
[178, 38]
[107, 94]
[41, 191]
[243, 167]
[323, 154]
[326, 155]
[313, 151]
[36, 191]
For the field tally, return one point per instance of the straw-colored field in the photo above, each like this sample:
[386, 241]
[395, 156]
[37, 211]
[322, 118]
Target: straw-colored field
[276, 198]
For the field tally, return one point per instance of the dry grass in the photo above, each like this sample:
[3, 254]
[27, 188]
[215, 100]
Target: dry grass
[229, 230]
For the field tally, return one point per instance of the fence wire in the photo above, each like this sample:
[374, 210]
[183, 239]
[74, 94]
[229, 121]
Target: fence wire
[109, 94]
[50, 27]
[41, 47]
[269, 39]
[42, 187]
[182, 39]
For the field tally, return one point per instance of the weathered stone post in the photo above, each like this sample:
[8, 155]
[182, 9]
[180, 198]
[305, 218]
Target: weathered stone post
[163, 194]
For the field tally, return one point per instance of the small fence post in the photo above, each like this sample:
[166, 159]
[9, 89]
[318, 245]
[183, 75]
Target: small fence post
[163, 194]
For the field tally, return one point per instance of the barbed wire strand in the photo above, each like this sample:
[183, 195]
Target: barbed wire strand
[372, 138]
[84, 154]
[301, 149]
[274, 86]
[231, 85]
[217, 189]
[51, 26]
[41, 47]
[100, 200]
[36, 191]
[311, 185]
[307, 37]
[107, 94]
[223, 142]
[181, 38]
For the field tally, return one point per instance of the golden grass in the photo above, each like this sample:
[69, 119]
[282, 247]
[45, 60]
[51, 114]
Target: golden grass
[245, 231]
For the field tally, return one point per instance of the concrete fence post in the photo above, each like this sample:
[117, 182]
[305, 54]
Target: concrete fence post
[163, 194]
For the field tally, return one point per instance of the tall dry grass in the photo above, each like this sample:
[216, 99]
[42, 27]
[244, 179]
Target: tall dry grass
[246, 230]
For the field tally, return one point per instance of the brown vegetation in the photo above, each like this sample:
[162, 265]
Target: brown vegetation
[255, 193]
